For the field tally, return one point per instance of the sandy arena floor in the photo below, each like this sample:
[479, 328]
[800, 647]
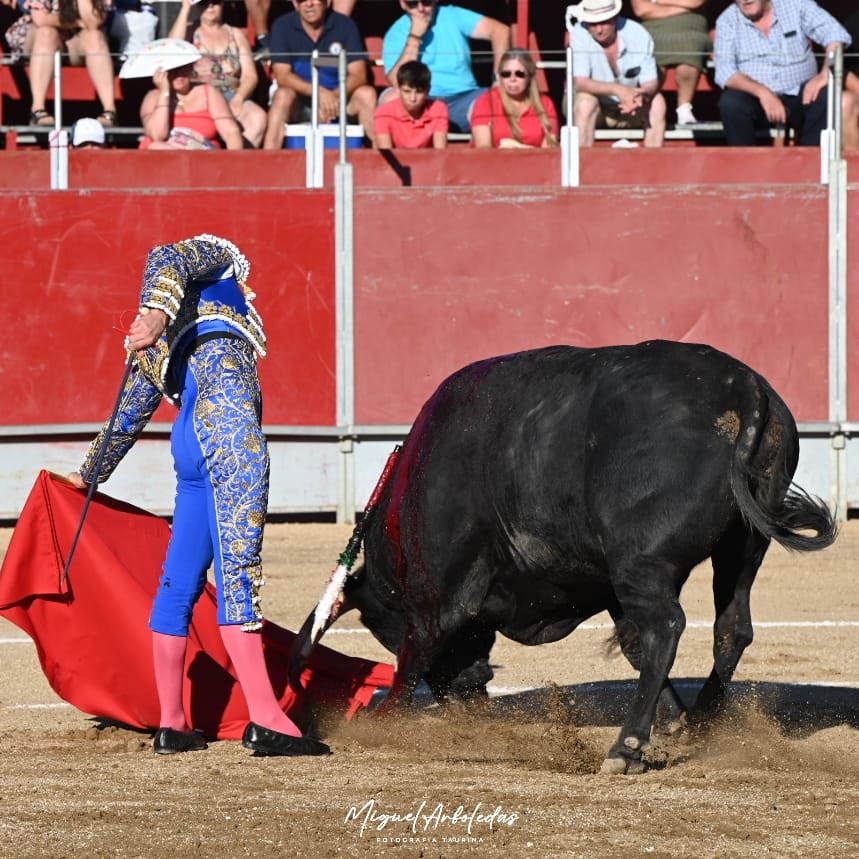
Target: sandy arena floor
[779, 779]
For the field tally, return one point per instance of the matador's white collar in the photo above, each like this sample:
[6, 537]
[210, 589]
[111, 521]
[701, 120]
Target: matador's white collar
[241, 266]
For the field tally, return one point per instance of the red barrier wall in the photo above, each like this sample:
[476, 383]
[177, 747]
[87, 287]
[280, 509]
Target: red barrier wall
[450, 276]
[458, 165]
[442, 275]
[73, 263]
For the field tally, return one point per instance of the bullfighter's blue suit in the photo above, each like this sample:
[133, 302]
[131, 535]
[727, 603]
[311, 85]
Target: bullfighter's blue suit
[205, 364]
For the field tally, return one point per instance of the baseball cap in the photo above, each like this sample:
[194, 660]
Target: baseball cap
[87, 131]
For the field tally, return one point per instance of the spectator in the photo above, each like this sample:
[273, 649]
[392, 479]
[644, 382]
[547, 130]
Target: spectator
[766, 65]
[259, 12]
[851, 86]
[226, 63]
[615, 75]
[515, 114]
[294, 37]
[438, 36]
[414, 120]
[87, 134]
[681, 37]
[132, 25]
[178, 114]
[53, 25]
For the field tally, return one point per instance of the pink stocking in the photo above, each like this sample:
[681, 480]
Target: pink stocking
[168, 652]
[246, 653]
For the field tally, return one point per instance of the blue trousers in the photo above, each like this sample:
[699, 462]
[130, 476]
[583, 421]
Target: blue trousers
[222, 477]
[743, 116]
[459, 108]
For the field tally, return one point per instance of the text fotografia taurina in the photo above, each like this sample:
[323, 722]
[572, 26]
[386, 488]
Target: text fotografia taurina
[426, 818]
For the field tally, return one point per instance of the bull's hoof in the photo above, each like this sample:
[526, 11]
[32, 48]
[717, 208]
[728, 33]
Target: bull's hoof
[613, 766]
[675, 730]
[625, 758]
[622, 766]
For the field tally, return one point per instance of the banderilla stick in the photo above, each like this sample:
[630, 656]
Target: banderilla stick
[325, 608]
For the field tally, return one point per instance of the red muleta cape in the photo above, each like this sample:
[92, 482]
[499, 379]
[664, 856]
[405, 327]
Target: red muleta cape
[91, 631]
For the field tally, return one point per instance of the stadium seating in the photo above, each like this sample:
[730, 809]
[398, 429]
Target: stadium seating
[545, 39]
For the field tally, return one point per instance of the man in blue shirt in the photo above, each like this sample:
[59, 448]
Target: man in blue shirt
[294, 37]
[765, 62]
[438, 37]
[614, 73]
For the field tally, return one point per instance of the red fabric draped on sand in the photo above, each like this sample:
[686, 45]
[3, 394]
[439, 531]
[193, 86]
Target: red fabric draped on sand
[92, 633]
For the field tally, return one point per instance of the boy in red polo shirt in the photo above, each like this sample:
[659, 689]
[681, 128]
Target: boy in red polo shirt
[412, 121]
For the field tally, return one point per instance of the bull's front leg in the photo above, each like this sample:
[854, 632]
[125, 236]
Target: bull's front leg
[660, 624]
[411, 665]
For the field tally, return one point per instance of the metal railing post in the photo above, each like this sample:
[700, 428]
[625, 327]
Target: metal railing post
[341, 83]
[830, 137]
[58, 90]
[58, 143]
[316, 144]
[570, 143]
[58, 138]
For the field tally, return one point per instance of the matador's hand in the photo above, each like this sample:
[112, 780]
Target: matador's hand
[146, 329]
[76, 480]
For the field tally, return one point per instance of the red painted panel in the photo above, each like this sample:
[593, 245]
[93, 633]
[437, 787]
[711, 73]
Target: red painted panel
[110, 169]
[440, 274]
[673, 165]
[73, 264]
[444, 277]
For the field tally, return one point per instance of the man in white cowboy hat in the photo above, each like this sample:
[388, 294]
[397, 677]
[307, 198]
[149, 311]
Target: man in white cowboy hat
[614, 72]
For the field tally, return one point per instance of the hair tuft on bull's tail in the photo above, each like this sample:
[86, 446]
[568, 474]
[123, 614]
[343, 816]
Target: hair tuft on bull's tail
[797, 513]
[762, 481]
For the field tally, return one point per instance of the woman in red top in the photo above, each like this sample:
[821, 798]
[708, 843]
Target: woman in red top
[515, 114]
[180, 115]
[226, 62]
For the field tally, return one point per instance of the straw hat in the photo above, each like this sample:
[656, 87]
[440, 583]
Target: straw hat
[596, 11]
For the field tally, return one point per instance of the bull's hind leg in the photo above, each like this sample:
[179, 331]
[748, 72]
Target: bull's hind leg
[736, 561]
[647, 595]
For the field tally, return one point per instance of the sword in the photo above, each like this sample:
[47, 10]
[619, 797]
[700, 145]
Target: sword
[97, 466]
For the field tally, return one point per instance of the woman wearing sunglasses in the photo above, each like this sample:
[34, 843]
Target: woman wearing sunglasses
[514, 114]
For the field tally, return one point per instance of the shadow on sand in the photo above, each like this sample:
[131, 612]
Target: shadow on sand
[799, 709]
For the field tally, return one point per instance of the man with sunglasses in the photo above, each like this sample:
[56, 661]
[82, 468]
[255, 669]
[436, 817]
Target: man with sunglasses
[294, 36]
[439, 37]
[614, 73]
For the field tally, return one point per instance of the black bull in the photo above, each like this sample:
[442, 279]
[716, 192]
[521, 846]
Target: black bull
[539, 488]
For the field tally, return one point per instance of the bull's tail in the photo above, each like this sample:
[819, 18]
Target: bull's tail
[764, 463]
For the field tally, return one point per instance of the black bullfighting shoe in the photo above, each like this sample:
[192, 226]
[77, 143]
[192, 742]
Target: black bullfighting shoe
[264, 741]
[169, 741]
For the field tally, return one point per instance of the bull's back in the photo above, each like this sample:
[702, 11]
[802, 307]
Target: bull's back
[567, 455]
